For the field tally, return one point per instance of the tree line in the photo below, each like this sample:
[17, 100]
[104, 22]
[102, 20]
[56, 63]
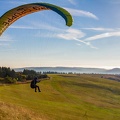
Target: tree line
[8, 75]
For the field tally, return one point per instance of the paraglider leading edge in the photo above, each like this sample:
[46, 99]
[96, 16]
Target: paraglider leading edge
[14, 14]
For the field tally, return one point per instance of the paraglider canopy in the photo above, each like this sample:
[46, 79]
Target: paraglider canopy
[14, 14]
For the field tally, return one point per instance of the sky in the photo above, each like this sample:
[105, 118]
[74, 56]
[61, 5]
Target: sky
[42, 39]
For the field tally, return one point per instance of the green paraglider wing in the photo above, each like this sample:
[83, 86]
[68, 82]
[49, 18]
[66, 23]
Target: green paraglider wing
[14, 14]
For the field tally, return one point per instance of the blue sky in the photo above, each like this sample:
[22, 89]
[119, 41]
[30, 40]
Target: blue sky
[43, 39]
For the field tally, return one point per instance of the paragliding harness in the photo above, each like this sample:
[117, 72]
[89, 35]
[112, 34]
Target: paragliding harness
[33, 84]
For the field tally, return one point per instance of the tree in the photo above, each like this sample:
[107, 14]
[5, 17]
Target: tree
[4, 72]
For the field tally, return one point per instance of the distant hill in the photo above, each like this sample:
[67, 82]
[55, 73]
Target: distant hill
[114, 71]
[71, 69]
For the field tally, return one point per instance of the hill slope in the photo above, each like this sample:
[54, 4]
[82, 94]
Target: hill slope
[65, 97]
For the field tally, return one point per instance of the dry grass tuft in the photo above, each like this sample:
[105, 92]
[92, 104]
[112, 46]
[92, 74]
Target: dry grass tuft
[12, 112]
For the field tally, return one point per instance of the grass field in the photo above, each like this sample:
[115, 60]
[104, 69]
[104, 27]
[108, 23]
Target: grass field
[63, 97]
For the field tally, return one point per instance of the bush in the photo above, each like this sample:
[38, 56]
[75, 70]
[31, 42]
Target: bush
[9, 80]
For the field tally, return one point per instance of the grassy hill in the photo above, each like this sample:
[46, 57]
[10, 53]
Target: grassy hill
[63, 97]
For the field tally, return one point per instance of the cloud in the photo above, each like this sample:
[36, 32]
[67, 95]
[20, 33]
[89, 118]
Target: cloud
[35, 25]
[45, 35]
[115, 1]
[7, 49]
[78, 44]
[104, 35]
[71, 34]
[99, 29]
[74, 34]
[44, 26]
[76, 12]
[4, 44]
[5, 38]
[86, 43]
[72, 2]
[51, 30]
[16, 2]
[21, 27]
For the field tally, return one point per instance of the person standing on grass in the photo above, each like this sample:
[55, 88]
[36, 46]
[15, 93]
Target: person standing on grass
[33, 84]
